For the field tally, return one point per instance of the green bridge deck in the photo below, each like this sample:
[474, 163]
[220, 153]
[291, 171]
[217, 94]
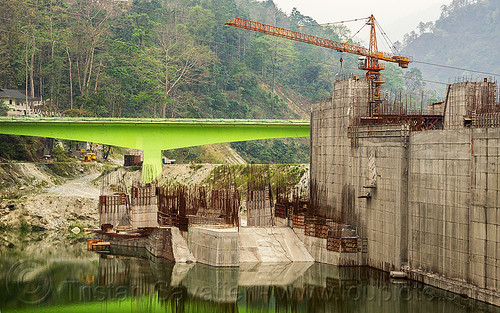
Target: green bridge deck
[154, 135]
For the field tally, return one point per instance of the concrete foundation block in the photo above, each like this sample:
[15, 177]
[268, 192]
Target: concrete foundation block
[212, 246]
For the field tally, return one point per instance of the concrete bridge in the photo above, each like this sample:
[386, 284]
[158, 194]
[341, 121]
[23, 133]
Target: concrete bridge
[154, 135]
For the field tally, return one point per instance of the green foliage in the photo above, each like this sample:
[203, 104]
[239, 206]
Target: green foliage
[20, 148]
[462, 37]
[76, 113]
[59, 169]
[142, 60]
[3, 109]
[95, 104]
[24, 226]
[60, 154]
[280, 151]
[185, 155]
[163, 59]
[393, 76]
[255, 175]
[413, 80]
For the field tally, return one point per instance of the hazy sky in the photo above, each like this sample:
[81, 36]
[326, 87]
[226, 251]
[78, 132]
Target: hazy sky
[397, 17]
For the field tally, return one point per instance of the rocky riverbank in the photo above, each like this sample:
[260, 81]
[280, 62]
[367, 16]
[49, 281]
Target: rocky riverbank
[61, 196]
[49, 196]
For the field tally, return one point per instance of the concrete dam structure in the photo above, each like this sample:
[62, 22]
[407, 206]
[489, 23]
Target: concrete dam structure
[402, 191]
[422, 191]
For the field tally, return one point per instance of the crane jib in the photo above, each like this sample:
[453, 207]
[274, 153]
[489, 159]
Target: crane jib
[315, 40]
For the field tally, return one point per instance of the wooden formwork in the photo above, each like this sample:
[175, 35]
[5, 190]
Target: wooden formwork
[281, 210]
[350, 244]
[299, 221]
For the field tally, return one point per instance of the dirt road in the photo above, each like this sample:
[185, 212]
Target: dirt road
[79, 187]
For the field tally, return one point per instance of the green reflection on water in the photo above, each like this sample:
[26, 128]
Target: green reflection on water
[133, 281]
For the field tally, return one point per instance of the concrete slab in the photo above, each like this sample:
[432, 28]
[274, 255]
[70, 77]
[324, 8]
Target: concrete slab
[181, 251]
[214, 246]
[271, 245]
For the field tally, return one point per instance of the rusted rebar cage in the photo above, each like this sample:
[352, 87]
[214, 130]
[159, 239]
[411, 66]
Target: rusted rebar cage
[486, 120]
[289, 201]
[259, 178]
[227, 202]
[259, 197]
[142, 195]
[114, 209]
[409, 109]
[310, 216]
[182, 206]
[224, 177]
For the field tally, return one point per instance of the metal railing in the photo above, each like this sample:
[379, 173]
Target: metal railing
[152, 120]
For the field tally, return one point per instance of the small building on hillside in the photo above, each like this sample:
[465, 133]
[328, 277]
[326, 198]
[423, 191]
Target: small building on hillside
[17, 104]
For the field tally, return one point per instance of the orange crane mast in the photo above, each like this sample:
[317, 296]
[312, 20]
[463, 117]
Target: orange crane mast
[370, 63]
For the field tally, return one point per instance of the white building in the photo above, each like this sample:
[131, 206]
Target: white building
[17, 104]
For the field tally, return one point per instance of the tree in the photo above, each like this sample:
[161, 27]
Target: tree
[76, 113]
[89, 33]
[178, 60]
[413, 80]
[4, 109]
[424, 27]
[393, 76]
[301, 20]
[11, 44]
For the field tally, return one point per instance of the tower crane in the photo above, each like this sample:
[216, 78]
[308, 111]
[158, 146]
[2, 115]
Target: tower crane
[369, 60]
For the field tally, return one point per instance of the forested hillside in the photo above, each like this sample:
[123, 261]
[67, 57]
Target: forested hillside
[465, 36]
[159, 58]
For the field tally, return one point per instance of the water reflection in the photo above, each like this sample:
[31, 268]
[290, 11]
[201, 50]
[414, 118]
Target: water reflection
[128, 281]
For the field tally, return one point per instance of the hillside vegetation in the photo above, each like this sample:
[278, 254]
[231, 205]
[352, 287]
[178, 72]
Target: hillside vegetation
[159, 58]
[465, 36]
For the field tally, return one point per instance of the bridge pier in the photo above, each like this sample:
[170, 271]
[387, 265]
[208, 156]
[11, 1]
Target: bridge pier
[151, 165]
[153, 135]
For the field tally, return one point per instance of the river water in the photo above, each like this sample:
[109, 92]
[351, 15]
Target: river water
[53, 272]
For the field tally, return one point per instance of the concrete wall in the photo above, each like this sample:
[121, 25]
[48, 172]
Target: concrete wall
[340, 171]
[230, 247]
[484, 253]
[464, 99]
[455, 209]
[439, 193]
[144, 215]
[317, 247]
[433, 203]
[216, 247]
[159, 243]
[331, 170]
[382, 218]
